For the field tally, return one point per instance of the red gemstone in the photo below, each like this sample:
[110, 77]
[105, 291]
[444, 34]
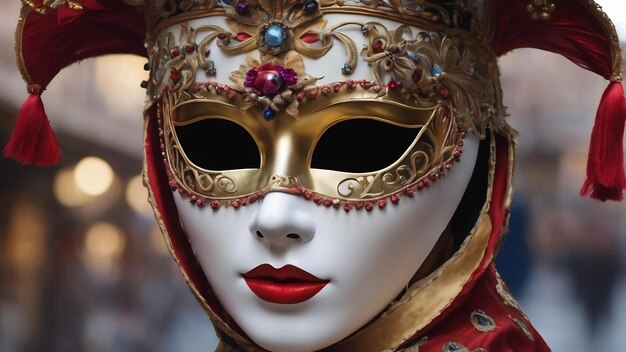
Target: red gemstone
[174, 52]
[308, 194]
[253, 198]
[190, 47]
[175, 75]
[359, 205]
[200, 203]
[310, 38]
[395, 199]
[347, 207]
[409, 192]
[215, 204]
[325, 90]
[336, 203]
[420, 185]
[268, 82]
[369, 206]
[377, 47]
[382, 203]
[317, 199]
[392, 85]
[242, 36]
[235, 203]
[442, 91]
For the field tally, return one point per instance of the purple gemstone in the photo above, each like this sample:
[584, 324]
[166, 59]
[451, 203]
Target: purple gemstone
[242, 8]
[268, 82]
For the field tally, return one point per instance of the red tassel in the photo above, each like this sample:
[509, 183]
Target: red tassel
[33, 142]
[605, 165]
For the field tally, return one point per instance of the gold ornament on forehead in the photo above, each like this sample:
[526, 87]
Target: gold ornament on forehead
[439, 85]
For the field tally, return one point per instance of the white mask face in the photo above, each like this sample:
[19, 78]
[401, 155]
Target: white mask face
[362, 260]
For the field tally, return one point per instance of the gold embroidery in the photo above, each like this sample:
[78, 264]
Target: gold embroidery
[523, 327]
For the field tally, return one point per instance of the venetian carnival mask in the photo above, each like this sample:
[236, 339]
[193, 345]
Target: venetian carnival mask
[310, 190]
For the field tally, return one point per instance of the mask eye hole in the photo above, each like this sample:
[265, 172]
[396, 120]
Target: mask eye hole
[218, 144]
[361, 145]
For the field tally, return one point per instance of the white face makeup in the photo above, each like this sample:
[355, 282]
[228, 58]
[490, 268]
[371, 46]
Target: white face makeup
[368, 257]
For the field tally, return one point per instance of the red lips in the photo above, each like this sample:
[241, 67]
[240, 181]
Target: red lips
[287, 285]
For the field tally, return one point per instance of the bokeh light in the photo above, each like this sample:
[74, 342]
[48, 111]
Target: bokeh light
[93, 176]
[104, 243]
[66, 191]
[137, 196]
[126, 72]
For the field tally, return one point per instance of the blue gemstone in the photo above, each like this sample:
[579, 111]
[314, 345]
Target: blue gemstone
[227, 2]
[268, 114]
[346, 70]
[482, 320]
[274, 35]
[436, 70]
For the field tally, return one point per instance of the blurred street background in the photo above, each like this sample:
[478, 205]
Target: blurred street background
[84, 268]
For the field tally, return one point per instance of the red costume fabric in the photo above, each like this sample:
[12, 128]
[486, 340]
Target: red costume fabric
[461, 329]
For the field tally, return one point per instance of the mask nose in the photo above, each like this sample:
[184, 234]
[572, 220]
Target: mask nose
[280, 222]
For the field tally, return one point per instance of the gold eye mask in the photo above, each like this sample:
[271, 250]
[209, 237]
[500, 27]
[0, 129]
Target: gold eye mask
[286, 146]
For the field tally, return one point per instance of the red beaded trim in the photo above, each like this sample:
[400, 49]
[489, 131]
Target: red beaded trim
[423, 182]
[313, 91]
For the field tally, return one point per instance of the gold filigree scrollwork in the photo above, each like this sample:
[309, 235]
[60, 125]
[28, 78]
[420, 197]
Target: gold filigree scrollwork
[388, 51]
[540, 9]
[226, 184]
[215, 184]
[288, 182]
[434, 143]
[460, 71]
[209, 183]
[427, 66]
[46, 5]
